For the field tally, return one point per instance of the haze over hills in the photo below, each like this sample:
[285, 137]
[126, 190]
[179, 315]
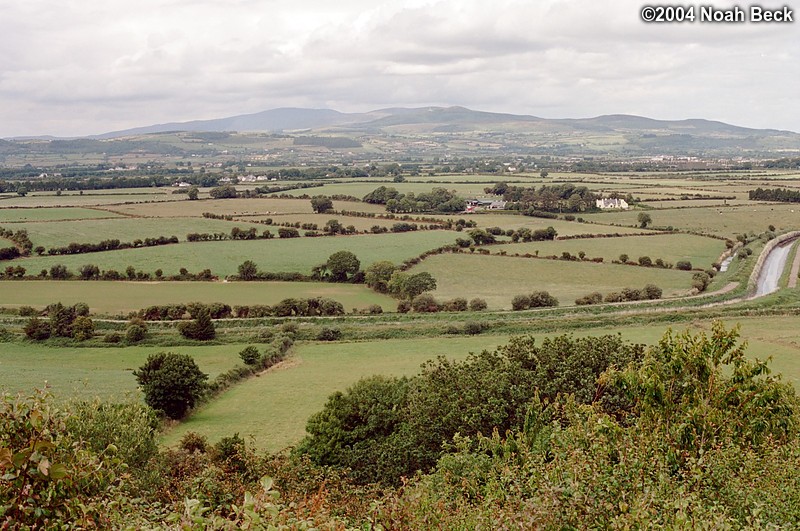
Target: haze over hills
[314, 135]
[439, 119]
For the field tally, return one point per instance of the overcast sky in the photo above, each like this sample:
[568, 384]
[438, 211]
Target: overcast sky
[78, 67]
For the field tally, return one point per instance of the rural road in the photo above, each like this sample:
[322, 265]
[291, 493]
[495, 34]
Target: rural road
[773, 269]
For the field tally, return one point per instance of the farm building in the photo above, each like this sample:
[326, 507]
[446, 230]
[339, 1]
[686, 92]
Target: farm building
[484, 204]
[608, 203]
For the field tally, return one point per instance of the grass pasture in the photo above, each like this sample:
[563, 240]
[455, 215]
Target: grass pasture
[112, 298]
[497, 279]
[127, 229]
[722, 221]
[92, 198]
[17, 215]
[88, 372]
[224, 257]
[236, 207]
[274, 407]
[701, 251]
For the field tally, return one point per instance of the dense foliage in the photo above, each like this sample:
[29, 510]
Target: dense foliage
[775, 194]
[384, 429]
[172, 383]
[564, 434]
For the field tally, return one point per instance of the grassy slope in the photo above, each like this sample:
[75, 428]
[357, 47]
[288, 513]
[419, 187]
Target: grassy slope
[49, 214]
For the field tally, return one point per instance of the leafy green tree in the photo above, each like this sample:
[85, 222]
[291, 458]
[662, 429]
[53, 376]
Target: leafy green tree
[644, 219]
[37, 329]
[201, 328]
[378, 275]
[59, 272]
[193, 193]
[249, 355]
[172, 383]
[342, 265]
[321, 204]
[409, 286]
[248, 270]
[82, 328]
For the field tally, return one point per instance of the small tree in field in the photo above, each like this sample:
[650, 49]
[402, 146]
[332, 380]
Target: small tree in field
[248, 270]
[171, 382]
[249, 355]
[321, 204]
[202, 328]
[644, 219]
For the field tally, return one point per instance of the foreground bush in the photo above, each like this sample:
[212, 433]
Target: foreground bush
[172, 383]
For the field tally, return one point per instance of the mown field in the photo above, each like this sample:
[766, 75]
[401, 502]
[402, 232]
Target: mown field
[115, 297]
[497, 279]
[224, 257]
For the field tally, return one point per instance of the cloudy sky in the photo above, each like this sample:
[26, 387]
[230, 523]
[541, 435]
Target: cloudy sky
[77, 67]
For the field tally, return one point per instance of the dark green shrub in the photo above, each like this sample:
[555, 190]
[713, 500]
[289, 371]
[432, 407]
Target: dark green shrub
[477, 305]
[172, 383]
[683, 265]
[329, 334]
[249, 355]
[520, 302]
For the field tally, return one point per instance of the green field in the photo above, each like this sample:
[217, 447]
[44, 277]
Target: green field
[224, 257]
[237, 207]
[51, 214]
[88, 372]
[274, 407]
[701, 251]
[93, 198]
[722, 221]
[497, 279]
[127, 229]
[114, 297]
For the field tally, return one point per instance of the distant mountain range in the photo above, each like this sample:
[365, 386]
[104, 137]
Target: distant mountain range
[443, 119]
[304, 135]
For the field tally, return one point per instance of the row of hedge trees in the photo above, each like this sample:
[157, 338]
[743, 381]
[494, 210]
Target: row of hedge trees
[537, 299]
[427, 303]
[649, 292]
[310, 307]
[107, 245]
[62, 321]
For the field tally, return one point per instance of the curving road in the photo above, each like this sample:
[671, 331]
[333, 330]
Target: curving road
[773, 268]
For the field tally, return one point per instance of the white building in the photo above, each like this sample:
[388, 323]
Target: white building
[608, 203]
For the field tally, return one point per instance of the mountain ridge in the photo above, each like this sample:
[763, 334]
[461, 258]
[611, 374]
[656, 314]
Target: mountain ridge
[285, 119]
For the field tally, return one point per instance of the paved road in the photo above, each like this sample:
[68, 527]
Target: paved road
[773, 269]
